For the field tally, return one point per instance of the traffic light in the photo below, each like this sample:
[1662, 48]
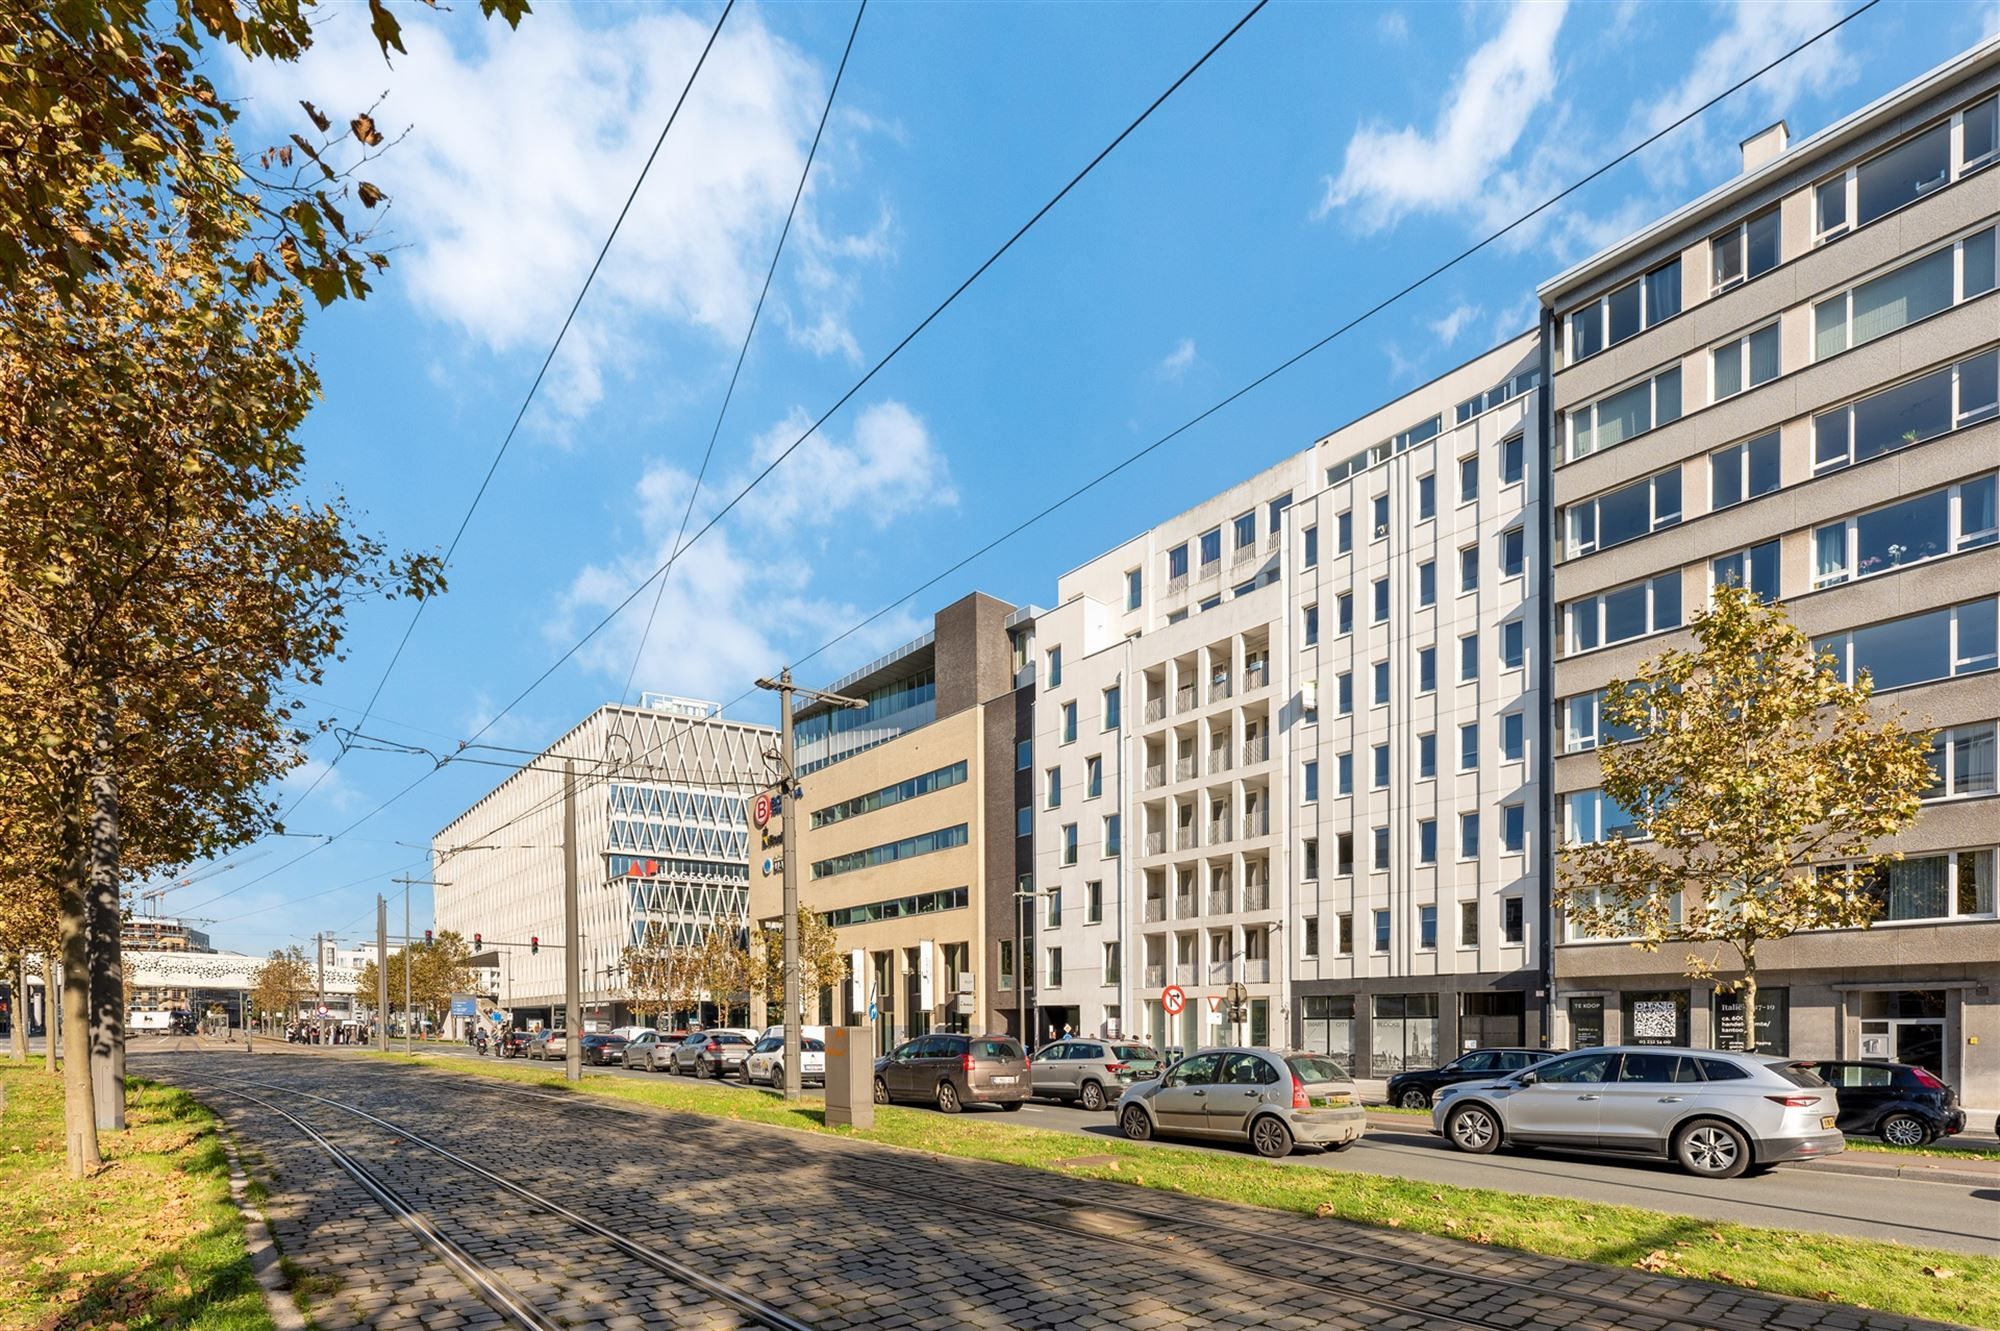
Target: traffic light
[534, 945]
[427, 938]
[476, 939]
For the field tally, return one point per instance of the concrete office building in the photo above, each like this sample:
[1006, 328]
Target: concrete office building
[1790, 383]
[662, 838]
[906, 830]
[1286, 740]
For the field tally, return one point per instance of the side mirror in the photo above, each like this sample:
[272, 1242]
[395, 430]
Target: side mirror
[1527, 1079]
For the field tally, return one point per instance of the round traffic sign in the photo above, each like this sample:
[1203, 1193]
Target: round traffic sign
[1173, 999]
[761, 810]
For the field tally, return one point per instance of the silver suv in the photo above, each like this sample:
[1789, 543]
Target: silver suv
[1091, 1072]
[1715, 1113]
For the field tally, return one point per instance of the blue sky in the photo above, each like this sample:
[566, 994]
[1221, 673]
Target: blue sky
[1326, 156]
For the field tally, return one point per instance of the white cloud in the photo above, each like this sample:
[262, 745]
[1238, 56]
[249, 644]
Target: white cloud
[1517, 319]
[524, 144]
[1448, 328]
[1389, 173]
[330, 789]
[1393, 27]
[1177, 362]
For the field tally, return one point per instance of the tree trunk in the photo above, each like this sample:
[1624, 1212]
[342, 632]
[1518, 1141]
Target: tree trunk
[79, 1113]
[51, 1013]
[1749, 992]
[107, 968]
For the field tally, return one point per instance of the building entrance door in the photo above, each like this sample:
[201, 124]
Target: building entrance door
[1492, 1018]
[1907, 1026]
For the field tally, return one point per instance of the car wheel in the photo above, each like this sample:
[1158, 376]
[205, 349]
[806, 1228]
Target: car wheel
[881, 1091]
[702, 1072]
[1414, 1099]
[743, 1072]
[1093, 1096]
[1473, 1130]
[1712, 1150]
[947, 1098]
[1904, 1130]
[1271, 1138]
[1137, 1123]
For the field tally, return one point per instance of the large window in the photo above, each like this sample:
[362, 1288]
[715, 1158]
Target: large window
[1513, 552]
[1909, 413]
[1624, 514]
[1630, 411]
[1896, 299]
[1926, 526]
[923, 903]
[907, 848]
[1938, 644]
[1755, 568]
[1742, 363]
[1493, 397]
[1749, 249]
[1343, 613]
[1743, 471]
[1327, 1024]
[1596, 896]
[1211, 550]
[1631, 611]
[1243, 535]
[941, 779]
[1404, 1032]
[1135, 586]
[1626, 312]
[1962, 758]
[1584, 727]
[1919, 165]
[1591, 815]
[1934, 887]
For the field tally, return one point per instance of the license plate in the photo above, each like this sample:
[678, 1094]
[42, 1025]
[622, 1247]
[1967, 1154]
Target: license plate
[1330, 1102]
[1826, 1122]
[1003, 1081]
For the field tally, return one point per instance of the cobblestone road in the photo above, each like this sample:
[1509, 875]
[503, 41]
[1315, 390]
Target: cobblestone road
[842, 1234]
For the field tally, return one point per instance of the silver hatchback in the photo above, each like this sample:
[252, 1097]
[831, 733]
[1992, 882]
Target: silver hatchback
[1272, 1098]
[1715, 1113]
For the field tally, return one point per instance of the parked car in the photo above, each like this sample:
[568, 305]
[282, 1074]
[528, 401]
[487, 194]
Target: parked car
[662, 1057]
[766, 1062]
[513, 1043]
[953, 1071]
[630, 1032]
[1902, 1104]
[638, 1052]
[1416, 1088]
[1715, 1113]
[549, 1044]
[1271, 1098]
[811, 1032]
[1094, 1073]
[714, 1052]
[602, 1050]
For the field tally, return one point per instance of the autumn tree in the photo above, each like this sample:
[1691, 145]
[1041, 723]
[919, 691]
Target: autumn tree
[659, 976]
[1760, 786]
[438, 970]
[280, 982]
[822, 962]
[720, 968]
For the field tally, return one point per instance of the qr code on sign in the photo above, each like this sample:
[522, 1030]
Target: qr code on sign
[1654, 1020]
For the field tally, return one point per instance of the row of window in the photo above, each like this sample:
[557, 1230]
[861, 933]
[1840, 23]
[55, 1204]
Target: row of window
[1513, 828]
[1512, 931]
[941, 779]
[925, 843]
[1243, 537]
[1110, 713]
[1513, 749]
[1511, 656]
[1109, 842]
[921, 903]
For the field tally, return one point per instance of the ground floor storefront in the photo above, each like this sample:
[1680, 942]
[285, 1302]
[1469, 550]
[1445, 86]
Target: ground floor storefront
[1380, 1027]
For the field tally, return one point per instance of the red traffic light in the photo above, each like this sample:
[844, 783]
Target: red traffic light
[476, 939]
[427, 938]
[534, 945]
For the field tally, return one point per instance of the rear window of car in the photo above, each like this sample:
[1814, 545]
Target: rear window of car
[1716, 1069]
[731, 1039]
[811, 1046]
[1133, 1053]
[994, 1049]
[1309, 1069]
[1798, 1074]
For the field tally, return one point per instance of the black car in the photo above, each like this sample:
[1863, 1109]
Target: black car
[1414, 1089]
[1901, 1103]
[602, 1049]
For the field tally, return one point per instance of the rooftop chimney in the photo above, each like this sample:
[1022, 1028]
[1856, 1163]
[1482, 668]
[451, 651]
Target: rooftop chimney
[1765, 145]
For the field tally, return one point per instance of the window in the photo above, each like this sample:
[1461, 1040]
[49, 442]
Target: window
[1134, 588]
[1743, 363]
[1380, 696]
[1506, 391]
[1344, 692]
[1427, 755]
[1917, 166]
[1069, 723]
[1513, 552]
[1211, 550]
[942, 778]
[1427, 583]
[1311, 555]
[1381, 516]
[1055, 666]
[1024, 754]
[1427, 928]
[1052, 783]
[1749, 249]
[1055, 968]
[1468, 479]
[1934, 887]
[1927, 526]
[1053, 899]
[1742, 471]
[1962, 758]
[1345, 935]
[1513, 736]
[1177, 568]
[1631, 611]
[1343, 849]
[1093, 777]
[1625, 514]
[1343, 768]
[1343, 533]
[1403, 1034]
[1379, 840]
[1069, 843]
[1343, 607]
[1427, 669]
[1625, 414]
[1511, 919]
[1939, 644]
[1113, 707]
[1513, 828]
[1468, 924]
[1468, 569]
[1513, 459]
[1309, 625]
[1591, 815]
[1381, 601]
[1310, 780]
[1581, 725]
[1109, 975]
[1468, 836]
[1110, 834]
[1309, 859]
[1309, 944]
[1632, 308]
[1902, 296]
[1278, 508]
[1211, 603]
[1427, 841]
[1755, 568]
[1427, 497]
[1024, 821]
[1512, 634]
[1381, 931]
[1468, 658]
[1909, 413]
[1378, 773]
[1468, 746]
[1007, 965]
[908, 848]
[1244, 534]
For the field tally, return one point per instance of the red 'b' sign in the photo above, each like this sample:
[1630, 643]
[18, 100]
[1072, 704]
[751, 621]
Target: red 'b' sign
[762, 809]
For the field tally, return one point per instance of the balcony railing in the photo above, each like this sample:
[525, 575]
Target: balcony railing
[1257, 824]
[1156, 708]
[1256, 750]
[1156, 775]
[1156, 909]
[1245, 554]
[1220, 688]
[1210, 569]
[1156, 842]
[1184, 838]
[1184, 906]
[1177, 583]
[1256, 970]
[1184, 699]
[1218, 972]
[1219, 759]
[1256, 896]
[1273, 541]
[1256, 674]
[1218, 902]
[1184, 767]
[1155, 976]
[1218, 832]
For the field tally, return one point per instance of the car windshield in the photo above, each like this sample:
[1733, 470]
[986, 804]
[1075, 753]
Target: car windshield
[1312, 1070]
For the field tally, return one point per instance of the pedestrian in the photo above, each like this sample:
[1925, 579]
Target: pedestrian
[1068, 1030]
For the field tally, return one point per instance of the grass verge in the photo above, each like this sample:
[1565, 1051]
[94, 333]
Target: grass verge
[1864, 1273]
[152, 1241]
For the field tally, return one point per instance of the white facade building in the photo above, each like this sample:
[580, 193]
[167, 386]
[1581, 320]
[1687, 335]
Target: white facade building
[1319, 776]
[661, 839]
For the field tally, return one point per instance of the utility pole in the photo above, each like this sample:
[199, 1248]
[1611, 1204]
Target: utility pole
[381, 973]
[793, 834]
[319, 959]
[572, 934]
[407, 883]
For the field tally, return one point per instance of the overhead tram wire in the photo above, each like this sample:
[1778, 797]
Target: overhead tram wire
[528, 400]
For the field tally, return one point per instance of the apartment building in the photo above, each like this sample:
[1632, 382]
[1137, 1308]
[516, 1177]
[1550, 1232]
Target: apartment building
[906, 830]
[1287, 741]
[1791, 383]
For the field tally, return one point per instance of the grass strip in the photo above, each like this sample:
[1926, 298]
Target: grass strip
[151, 1241]
[1862, 1273]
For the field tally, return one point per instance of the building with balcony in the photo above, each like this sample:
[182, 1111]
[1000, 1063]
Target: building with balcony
[1286, 741]
[1790, 383]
